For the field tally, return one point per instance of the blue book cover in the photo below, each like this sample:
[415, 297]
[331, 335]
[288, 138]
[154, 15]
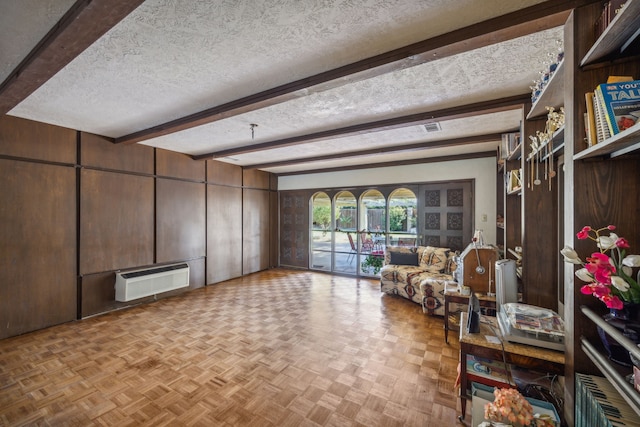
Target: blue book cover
[622, 103]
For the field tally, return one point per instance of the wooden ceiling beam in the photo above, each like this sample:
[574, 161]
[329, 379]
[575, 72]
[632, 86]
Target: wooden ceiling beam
[546, 15]
[466, 156]
[84, 23]
[478, 108]
[478, 139]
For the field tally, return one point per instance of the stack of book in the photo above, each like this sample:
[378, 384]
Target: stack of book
[598, 403]
[611, 108]
[510, 143]
[609, 11]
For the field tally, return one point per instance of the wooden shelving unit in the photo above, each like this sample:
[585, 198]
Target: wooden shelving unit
[552, 94]
[626, 390]
[596, 182]
[623, 29]
[598, 186]
[619, 144]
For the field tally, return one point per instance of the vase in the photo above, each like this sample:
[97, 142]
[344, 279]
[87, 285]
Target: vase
[627, 321]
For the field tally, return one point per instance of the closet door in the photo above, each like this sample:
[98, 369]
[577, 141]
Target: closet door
[445, 214]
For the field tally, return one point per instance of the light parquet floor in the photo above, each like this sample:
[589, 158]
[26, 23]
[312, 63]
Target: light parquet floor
[276, 348]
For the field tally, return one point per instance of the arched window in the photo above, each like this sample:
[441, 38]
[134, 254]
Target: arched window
[350, 236]
[345, 236]
[403, 217]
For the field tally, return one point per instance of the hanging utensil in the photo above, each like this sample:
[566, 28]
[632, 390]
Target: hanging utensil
[546, 160]
[537, 180]
[552, 173]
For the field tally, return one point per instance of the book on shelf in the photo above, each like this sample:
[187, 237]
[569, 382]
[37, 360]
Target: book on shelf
[621, 104]
[514, 180]
[590, 120]
[602, 128]
[510, 142]
[609, 11]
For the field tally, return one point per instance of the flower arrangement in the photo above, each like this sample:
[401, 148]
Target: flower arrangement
[511, 408]
[607, 273]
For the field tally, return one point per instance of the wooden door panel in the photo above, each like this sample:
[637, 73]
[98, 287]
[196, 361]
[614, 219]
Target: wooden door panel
[445, 214]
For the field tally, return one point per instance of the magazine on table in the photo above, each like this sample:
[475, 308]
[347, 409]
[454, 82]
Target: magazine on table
[534, 319]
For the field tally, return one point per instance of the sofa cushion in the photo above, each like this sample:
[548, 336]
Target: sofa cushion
[401, 258]
[434, 260]
[407, 273]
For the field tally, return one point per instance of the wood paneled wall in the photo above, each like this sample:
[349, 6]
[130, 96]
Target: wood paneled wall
[37, 246]
[224, 233]
[76, 208]
[116, 221]
[180, 220]
[37, 141]
[539, 231]
[255, 236]
[97, 152]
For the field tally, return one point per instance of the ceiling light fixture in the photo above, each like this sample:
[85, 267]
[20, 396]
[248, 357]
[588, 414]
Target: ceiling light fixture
[253, 127]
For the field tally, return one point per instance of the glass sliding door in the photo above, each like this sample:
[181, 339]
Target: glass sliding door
[372, 235]
[321, 232]
[403, 218]
[349, 230]
[345, 235]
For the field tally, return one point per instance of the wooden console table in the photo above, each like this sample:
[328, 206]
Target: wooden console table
[455, 296]
[525, 356]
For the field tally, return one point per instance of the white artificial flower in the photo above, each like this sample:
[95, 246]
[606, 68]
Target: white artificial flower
[607, 242]
[570, 255]
[584, 275]
[631, 261]
[620, 283]
[627, 270]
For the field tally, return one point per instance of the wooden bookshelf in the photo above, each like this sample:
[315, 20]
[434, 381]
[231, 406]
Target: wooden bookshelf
[622, 30]
[619, 144]
[552, 94]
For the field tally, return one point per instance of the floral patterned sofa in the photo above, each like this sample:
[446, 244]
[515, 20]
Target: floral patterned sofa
[420, 274]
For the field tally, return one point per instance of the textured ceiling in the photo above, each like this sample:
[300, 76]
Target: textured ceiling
[172, 58]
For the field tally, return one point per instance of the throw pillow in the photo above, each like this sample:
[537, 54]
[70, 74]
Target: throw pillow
[400, 249]
[400, 258]
[434, 260]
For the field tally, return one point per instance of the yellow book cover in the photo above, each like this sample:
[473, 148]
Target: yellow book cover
[592, 137]
[618, 79]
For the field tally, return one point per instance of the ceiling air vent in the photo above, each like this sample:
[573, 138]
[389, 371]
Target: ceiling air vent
[432, 127]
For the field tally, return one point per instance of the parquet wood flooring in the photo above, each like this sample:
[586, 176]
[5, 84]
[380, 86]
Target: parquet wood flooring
[276, 348]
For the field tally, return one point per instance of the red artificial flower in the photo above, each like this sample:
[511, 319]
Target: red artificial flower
[584, 233]
[622, 243]
[603, 272]
[586, 289]
[612, 301]
[600, 266]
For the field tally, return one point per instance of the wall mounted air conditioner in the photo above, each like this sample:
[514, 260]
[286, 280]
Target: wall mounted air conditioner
[131, 285]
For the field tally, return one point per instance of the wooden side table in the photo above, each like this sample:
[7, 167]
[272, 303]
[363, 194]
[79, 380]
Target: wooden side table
[522, 355]
[455, 296]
